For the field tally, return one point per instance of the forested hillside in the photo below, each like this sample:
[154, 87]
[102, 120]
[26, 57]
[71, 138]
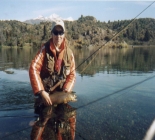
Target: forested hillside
[139, 31]
[83, 32]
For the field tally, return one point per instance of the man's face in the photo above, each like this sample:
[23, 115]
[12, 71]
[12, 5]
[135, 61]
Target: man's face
[58, 35]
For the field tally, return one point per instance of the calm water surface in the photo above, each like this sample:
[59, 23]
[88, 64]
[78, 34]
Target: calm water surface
[115, 89]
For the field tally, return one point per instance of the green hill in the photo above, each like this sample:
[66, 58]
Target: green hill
[84, 32]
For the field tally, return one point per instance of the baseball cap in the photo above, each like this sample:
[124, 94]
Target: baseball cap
[58, 22]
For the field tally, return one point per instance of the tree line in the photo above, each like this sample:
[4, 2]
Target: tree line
[82, 32]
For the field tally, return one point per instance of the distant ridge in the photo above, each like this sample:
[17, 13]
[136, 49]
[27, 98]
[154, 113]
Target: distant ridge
[44, 19]
[86, 31]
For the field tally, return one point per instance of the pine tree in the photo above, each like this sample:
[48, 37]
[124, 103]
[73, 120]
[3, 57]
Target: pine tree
[147, 36]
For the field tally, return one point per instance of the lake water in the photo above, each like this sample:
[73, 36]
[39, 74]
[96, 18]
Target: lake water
[115, 89]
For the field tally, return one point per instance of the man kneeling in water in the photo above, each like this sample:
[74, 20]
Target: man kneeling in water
[53, 68]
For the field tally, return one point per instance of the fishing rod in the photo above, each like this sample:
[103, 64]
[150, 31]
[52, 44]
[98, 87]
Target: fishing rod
[110, 39]
[89, 63]
[114, 35]
[97, 50]
[90, 57]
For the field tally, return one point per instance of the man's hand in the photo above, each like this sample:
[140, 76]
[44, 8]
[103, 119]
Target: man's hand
[46, 98]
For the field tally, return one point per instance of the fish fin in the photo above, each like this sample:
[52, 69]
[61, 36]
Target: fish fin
[65, 101]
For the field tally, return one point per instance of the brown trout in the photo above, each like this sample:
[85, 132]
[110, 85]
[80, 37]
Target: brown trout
[59, 97]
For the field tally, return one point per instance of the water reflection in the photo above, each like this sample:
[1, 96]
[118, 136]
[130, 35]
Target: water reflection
[116, 60]
[140, 59]
[54, 123]
[126, 115]
[17, 58]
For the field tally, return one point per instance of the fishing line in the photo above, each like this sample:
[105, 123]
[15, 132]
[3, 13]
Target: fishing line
[109, 40]
[114, 36]
[10, 109]
[128, 87]
[131, 86]
[89, 63]
[87, 59]
[125, 92]
[96, 55]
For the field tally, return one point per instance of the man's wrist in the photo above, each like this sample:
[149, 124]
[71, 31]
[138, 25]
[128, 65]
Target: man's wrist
[65, 90]
[40, 92]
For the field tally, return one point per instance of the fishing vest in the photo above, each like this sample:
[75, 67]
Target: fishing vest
[48, 74]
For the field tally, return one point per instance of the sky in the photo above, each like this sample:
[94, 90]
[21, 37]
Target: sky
[102, 10]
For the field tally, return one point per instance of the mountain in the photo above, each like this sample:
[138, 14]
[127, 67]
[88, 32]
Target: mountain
[44, 19]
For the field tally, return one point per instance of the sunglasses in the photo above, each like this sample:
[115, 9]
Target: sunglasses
[55, 32]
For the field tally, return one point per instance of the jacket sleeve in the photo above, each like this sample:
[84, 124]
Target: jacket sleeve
[70, 80]
[34, 71]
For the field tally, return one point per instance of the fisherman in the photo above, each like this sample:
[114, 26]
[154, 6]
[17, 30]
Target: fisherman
[53, 68]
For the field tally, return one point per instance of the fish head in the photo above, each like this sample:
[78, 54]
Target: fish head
[72, 97]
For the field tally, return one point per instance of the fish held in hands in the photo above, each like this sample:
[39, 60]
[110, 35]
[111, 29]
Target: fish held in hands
[59, 97]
